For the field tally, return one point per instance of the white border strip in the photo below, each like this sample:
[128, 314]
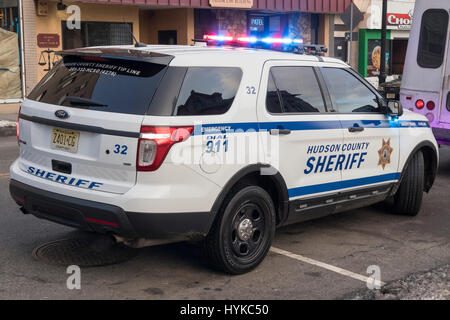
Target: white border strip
[327, 266]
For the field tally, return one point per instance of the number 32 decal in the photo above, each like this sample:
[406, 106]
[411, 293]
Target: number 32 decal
[251, 90]
[120, 149]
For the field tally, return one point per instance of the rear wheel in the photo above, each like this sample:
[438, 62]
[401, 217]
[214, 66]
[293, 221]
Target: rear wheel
[242, 232]
[408, 199]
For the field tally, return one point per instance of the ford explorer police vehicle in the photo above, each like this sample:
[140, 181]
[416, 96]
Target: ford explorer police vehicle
[226, 144]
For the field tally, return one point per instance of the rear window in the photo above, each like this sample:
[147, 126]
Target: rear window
[95, 83]
[433, 38]
[297, 88]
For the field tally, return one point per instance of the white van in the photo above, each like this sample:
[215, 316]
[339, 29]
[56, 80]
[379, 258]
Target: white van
[426, 79]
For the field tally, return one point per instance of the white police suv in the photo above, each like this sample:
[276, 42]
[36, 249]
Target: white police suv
[226, 144]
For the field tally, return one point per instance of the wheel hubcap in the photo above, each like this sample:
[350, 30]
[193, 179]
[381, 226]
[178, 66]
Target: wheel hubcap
[245, 229]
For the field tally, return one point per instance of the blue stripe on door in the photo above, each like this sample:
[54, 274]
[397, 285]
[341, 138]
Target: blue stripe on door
[331, 186]
[306, 125]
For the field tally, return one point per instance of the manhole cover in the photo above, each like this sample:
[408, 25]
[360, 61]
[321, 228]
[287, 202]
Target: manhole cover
[84, 252]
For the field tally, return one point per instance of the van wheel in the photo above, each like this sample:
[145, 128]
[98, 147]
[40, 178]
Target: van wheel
[242, 232]
[408, 199]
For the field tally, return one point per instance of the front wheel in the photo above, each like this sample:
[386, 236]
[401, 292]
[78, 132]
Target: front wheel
[408, 199]
[242, 232]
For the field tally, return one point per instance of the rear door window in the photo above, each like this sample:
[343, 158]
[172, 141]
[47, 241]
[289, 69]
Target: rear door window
[298, 89]
[433, 38]
[96, 83]
[273, 103]
[208, 90]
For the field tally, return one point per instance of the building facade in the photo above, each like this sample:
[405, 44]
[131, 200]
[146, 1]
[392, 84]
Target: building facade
[365, 56]
[35, 29]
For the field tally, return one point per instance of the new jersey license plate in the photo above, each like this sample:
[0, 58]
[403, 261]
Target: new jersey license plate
[65, 139]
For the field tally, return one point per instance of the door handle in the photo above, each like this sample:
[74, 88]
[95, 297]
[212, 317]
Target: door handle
[276, 132]
[355, 129]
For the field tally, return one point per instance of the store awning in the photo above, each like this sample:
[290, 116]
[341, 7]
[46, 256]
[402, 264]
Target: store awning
[319, 6]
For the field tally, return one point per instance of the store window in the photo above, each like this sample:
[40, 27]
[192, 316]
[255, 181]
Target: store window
[97, 34]
[10, 59]
[433, 38]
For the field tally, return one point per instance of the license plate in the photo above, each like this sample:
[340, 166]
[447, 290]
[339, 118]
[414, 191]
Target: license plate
[65, 139]
[390, 95]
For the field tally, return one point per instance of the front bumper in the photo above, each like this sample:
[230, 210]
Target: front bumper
[106, 218]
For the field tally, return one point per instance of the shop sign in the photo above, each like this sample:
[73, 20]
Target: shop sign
[402, 21]
[48, 40]
[256, 23]
[231, 3]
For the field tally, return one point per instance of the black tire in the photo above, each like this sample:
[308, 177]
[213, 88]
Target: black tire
[408, 199]
[226, 246]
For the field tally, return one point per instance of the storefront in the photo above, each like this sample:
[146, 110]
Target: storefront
[399, 19]
[11, 66]
[48, 27]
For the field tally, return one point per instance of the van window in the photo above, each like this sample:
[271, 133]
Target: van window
[95, 83]
[433, 38]
[348, 94]
[298, 89]
[208, 90]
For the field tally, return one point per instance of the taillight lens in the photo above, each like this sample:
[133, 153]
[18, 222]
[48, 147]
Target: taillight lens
[420, 104]
[430, 105]
[155, 142]
[17, 125]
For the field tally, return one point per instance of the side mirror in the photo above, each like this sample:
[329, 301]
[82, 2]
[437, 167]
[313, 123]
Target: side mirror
[395, 108]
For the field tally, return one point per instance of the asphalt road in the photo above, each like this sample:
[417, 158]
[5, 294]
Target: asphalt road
[352, 241]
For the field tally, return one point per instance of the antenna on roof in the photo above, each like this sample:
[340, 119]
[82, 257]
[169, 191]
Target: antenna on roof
[137, 43]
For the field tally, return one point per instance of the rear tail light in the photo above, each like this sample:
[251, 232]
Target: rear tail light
[420, 104]
[430, 105]
[155, 142]
[17, 125]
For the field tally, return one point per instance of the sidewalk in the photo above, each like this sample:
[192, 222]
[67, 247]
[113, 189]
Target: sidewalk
[8, 119]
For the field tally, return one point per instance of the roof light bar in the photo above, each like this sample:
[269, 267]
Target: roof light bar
[252, 39]
[248, 39]
[214, 37]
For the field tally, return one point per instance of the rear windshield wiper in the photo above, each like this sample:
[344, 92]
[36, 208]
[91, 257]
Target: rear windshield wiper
[83, 102]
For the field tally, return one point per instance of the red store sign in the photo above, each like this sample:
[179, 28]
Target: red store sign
[401, 20]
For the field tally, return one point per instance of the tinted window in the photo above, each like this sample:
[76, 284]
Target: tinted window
[163, 103]
[433, 36]
[272, 99]
[95, 83]
[348, 94]
[298, 89]
[208, 90]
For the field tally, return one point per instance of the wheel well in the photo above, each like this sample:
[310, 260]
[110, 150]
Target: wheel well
[430, 163]
[274, 185]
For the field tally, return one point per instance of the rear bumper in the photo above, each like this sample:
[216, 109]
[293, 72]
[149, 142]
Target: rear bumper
[106, 218]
